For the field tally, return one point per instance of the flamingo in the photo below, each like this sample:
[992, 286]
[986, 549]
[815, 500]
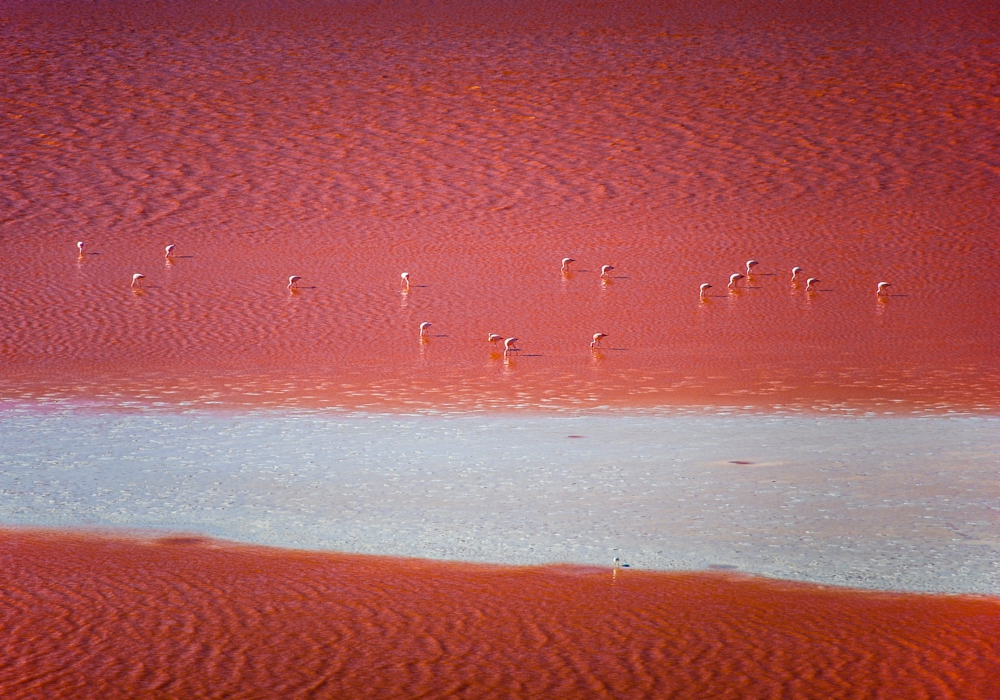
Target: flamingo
[750, 264]
[508, 346]
[405, 278]
[810, 282]
[605, 270]
[733, 278]
[881, 289]
[565, 264]
[795, 274]
[170, 250]
[596, 342]
[423, 329]
[494, 338]
[293, 281]
[704, 288]
[137, 279]
[79, 246]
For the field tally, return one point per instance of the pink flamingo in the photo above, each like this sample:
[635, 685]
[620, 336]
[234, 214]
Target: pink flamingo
[293, 281]
[810, 283]
[882, 289]
[596, 342]
[733, 278]
[704, 288]
[605, 271]
[565, 264]
[137, 279]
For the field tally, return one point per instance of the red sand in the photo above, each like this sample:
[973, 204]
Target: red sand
[474, 145]
[92, 617]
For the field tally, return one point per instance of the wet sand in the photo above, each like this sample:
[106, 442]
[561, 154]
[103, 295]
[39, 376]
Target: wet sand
[89, 617]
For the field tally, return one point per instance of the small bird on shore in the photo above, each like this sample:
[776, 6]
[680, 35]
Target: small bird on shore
[882, 289]
[733, 278]
[750, 266]
[423, 329]
[405, 279]
[704, 288]
[618, 563]
[293, 281]
[508, 346]
[810, 283]
[606, 271]
[494, 338]
[795, 274]
[137, 279]
[79, 246]
[170, 251]
[565, 264]
[596, 342]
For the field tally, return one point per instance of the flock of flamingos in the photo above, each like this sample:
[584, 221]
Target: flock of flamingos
[508, 343]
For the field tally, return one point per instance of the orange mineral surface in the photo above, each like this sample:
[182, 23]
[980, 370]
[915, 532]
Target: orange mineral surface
[184, 617]
[474, 145]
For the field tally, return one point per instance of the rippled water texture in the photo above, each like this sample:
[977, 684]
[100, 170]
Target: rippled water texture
[475, 145]
[185, 617]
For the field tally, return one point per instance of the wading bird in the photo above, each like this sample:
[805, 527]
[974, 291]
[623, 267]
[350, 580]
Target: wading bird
[508, 346]
[606, 270]
[596, 342]
[733, 278]
[704, 288]
[881, 289]
[293, 281]
[137, 279]
[170, 250]
[795, 274]
[812, 281]
[405, 279]
[79, 246]
[494, 338]
[423, 329]
[565, 264]
[750, 265]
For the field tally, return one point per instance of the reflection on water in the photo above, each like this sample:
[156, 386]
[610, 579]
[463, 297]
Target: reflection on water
[673, 142]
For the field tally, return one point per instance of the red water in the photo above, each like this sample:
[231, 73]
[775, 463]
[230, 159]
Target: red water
[89, 617]
[475, 145]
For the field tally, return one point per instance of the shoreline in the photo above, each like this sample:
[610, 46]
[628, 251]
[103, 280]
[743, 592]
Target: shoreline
[897, 503]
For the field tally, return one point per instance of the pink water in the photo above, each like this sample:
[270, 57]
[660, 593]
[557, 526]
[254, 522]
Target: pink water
[475, 145]
[87, 617]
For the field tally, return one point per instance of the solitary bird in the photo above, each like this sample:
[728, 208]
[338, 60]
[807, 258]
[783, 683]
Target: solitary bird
[750, 264]
[170, 250]
[508, 346]
[733, 278]
[79, 246]
[405, 277]
[423, 328]
[704, 288]
[618, 563]
[137, 279]
[596, 342]
[565, 264]
[293, 281]
[795, 274]
[811, 282]
[494, 338]
[881, 289]
[605, 271]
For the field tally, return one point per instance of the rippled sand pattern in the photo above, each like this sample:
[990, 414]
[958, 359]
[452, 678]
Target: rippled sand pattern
[474, 145]
[187, 617]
